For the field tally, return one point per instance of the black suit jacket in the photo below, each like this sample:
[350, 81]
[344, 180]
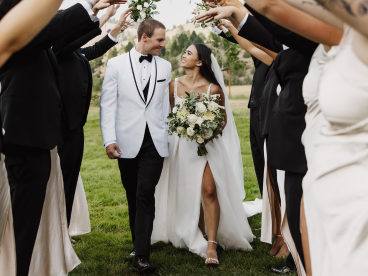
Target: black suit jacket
[267, 101]
[76, 74]
[30, 103]
[285, 149]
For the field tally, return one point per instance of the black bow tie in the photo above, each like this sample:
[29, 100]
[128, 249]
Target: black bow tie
[148, 58]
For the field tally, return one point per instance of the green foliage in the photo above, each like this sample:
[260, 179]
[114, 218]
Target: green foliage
[128, 47]
[113, 52]
[147, 12]
[174, 48]
[104, 251]
[96, 63]
[162, 52]
[246, 54]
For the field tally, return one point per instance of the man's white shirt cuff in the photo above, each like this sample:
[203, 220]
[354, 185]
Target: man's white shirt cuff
[243, 22]
[87, 7]
[109, 143]
[216, 30]
[113, 38]
[284, 47]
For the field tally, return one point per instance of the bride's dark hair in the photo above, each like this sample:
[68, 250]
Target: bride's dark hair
[204, 55]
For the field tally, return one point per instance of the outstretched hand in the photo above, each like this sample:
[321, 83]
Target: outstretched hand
[110, 151]
[103, 4]
[221, 13]
[111, 11]
[123, 23]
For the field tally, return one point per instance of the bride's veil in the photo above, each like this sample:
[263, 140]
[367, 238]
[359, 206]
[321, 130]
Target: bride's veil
[230, 133]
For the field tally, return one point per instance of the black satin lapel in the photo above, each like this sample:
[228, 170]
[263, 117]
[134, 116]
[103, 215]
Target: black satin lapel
[135, 81]
[154, 88]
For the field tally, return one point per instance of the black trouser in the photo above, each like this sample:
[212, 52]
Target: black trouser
[256, 145]
[71, 155]
[28, 173]
[293, 197]
[140, 176]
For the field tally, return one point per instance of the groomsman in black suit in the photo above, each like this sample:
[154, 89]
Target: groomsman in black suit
[34, 120]
[76, 91]
[285, 149]
[254, 104]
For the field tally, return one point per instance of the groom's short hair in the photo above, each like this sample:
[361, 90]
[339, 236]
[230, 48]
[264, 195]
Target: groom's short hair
[148, 27]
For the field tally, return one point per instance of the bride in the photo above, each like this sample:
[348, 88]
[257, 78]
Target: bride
[199, 199]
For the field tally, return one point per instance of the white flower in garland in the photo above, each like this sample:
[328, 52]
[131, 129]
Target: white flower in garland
[201, 9]
[143, 9]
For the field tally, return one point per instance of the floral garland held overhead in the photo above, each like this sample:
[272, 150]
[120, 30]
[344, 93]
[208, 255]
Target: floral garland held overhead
[143, 9]
[202, 8]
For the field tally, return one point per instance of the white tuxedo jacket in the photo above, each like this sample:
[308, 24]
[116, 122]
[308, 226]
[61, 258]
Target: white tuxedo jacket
[124, 112]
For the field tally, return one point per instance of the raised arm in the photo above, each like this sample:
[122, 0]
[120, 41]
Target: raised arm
[109, 41]
[19, 26]
[297, 21]
[248, 46]
[353, 12]
[314, 9]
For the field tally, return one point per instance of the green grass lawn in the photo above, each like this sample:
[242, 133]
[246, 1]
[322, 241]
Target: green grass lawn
[104, 251]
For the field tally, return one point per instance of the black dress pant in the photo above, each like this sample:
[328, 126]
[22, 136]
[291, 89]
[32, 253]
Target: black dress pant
[293, 197]
[256, 145]
[71, 155]
[28, 173]
[140, 176]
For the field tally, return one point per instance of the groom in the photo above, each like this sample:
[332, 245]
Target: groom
[134, 105]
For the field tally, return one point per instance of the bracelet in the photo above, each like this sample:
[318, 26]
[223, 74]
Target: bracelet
[89, 2]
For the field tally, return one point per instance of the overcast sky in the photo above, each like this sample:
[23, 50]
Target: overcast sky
[172, 12]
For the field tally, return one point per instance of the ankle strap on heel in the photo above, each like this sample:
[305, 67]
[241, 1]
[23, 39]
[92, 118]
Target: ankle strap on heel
[212, 242]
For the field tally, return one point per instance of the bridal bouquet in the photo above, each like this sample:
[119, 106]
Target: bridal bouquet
[202, 8]
[197, 118]
[143, 9]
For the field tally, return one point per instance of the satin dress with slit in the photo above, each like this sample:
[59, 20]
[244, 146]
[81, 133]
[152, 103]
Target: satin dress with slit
[178, 198]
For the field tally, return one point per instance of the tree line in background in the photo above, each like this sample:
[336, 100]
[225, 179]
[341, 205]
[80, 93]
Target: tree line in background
[230, 57]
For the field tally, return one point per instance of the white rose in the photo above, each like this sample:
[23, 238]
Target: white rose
[208, 134]
[146, 5]
[142, 15]
[192, 119]
[212, 106]
[175, 109]
[201, 108]
[139, 7]
[186, 137]
[190, 131]
[200, 139]
[199, 121]
[180, 130]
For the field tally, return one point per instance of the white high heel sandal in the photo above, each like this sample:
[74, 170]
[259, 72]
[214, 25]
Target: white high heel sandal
[216, 261]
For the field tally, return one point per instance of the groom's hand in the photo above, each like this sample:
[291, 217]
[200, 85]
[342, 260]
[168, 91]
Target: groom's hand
[110, 150]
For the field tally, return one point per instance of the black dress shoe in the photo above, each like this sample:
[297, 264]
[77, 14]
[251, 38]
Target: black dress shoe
[142, 264]
[132, 253]
[284, 270]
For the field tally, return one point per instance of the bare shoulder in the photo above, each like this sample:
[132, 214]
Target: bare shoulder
[216, 89]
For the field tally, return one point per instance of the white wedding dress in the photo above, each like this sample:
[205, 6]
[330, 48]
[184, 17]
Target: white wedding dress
[179, 198]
